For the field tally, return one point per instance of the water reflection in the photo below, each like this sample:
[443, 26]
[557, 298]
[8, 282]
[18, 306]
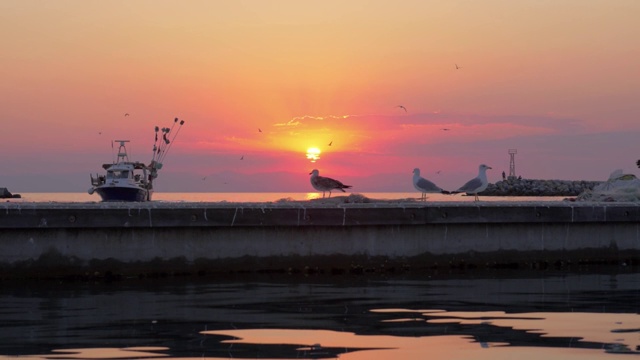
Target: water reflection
[479, 316]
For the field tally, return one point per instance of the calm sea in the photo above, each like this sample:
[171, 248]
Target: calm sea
[498, 315]
[268, 197]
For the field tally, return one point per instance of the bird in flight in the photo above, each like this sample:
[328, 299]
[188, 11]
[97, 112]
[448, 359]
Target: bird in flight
[458, 67]
[445, 129]
[242, 157]
[402, 107]
[331, 143]
[126, 114]
[259, 130]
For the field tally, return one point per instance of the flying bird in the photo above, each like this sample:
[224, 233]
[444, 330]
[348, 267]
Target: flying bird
[425, 186]
[445, 129]
[242, 157]
[458, 67]
[126, 114]
[477, 184]
[259, 130]
[402, 107]
[324, 184]
[331, 143]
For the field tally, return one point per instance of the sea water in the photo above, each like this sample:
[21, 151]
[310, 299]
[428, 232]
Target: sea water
[435, 315]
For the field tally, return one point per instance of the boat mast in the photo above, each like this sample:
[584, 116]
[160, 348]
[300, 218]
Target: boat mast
[122, 151]
[161, 146]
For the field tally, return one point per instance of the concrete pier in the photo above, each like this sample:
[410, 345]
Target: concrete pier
[131, 239]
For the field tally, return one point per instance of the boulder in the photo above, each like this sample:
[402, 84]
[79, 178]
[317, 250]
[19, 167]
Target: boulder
[6, 194]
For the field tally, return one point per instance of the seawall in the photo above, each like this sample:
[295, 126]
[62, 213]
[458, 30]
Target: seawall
[140, 239]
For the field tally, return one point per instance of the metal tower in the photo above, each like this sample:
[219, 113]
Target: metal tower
[512, 162]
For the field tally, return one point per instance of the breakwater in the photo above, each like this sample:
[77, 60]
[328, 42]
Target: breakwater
[532, 187]
[138, 239]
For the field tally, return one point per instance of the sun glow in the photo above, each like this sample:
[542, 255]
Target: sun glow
[313, 154]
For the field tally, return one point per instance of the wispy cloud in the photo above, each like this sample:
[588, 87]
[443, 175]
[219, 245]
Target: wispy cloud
[306, 120]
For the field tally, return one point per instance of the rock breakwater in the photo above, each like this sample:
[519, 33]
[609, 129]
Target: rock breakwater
[533, 187]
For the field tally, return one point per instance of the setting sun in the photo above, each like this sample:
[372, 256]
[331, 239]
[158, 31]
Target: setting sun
[313, 154]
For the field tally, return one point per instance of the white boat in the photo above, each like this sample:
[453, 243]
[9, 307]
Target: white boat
[127, 180]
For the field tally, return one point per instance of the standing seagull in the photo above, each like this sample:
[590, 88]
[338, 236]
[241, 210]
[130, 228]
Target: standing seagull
[402, 107]
[323, 184]
[477, 184]
[425, 186]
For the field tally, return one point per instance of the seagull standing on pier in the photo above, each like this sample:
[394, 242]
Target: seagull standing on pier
[477, 184]
[323, 184]
[425, 186]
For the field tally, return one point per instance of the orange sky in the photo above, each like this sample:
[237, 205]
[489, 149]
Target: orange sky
[559, 81]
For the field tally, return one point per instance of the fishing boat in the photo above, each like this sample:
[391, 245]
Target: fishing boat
[127, 180]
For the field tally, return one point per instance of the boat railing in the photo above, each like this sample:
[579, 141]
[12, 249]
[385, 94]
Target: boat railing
[98, 180]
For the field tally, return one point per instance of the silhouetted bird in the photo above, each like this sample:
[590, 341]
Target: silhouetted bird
[402, 107]
[324, 184]
[477, 184]
[425, 186]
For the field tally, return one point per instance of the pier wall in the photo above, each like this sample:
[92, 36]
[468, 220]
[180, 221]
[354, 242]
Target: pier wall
[149, 238]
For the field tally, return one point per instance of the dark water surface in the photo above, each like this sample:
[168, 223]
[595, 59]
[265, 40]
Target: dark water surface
[490, 315]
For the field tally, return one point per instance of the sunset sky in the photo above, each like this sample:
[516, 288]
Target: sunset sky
[557, 80]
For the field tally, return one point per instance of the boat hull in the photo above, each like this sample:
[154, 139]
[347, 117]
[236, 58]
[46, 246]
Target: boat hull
[116, 193]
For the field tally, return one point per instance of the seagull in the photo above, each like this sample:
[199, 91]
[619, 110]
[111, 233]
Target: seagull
[331, 143]
[259, 130]
[402, 107]
[425, 186]
[242, 157]
[126, 114]
[458, 67]
[323, 184]
[477, 184]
